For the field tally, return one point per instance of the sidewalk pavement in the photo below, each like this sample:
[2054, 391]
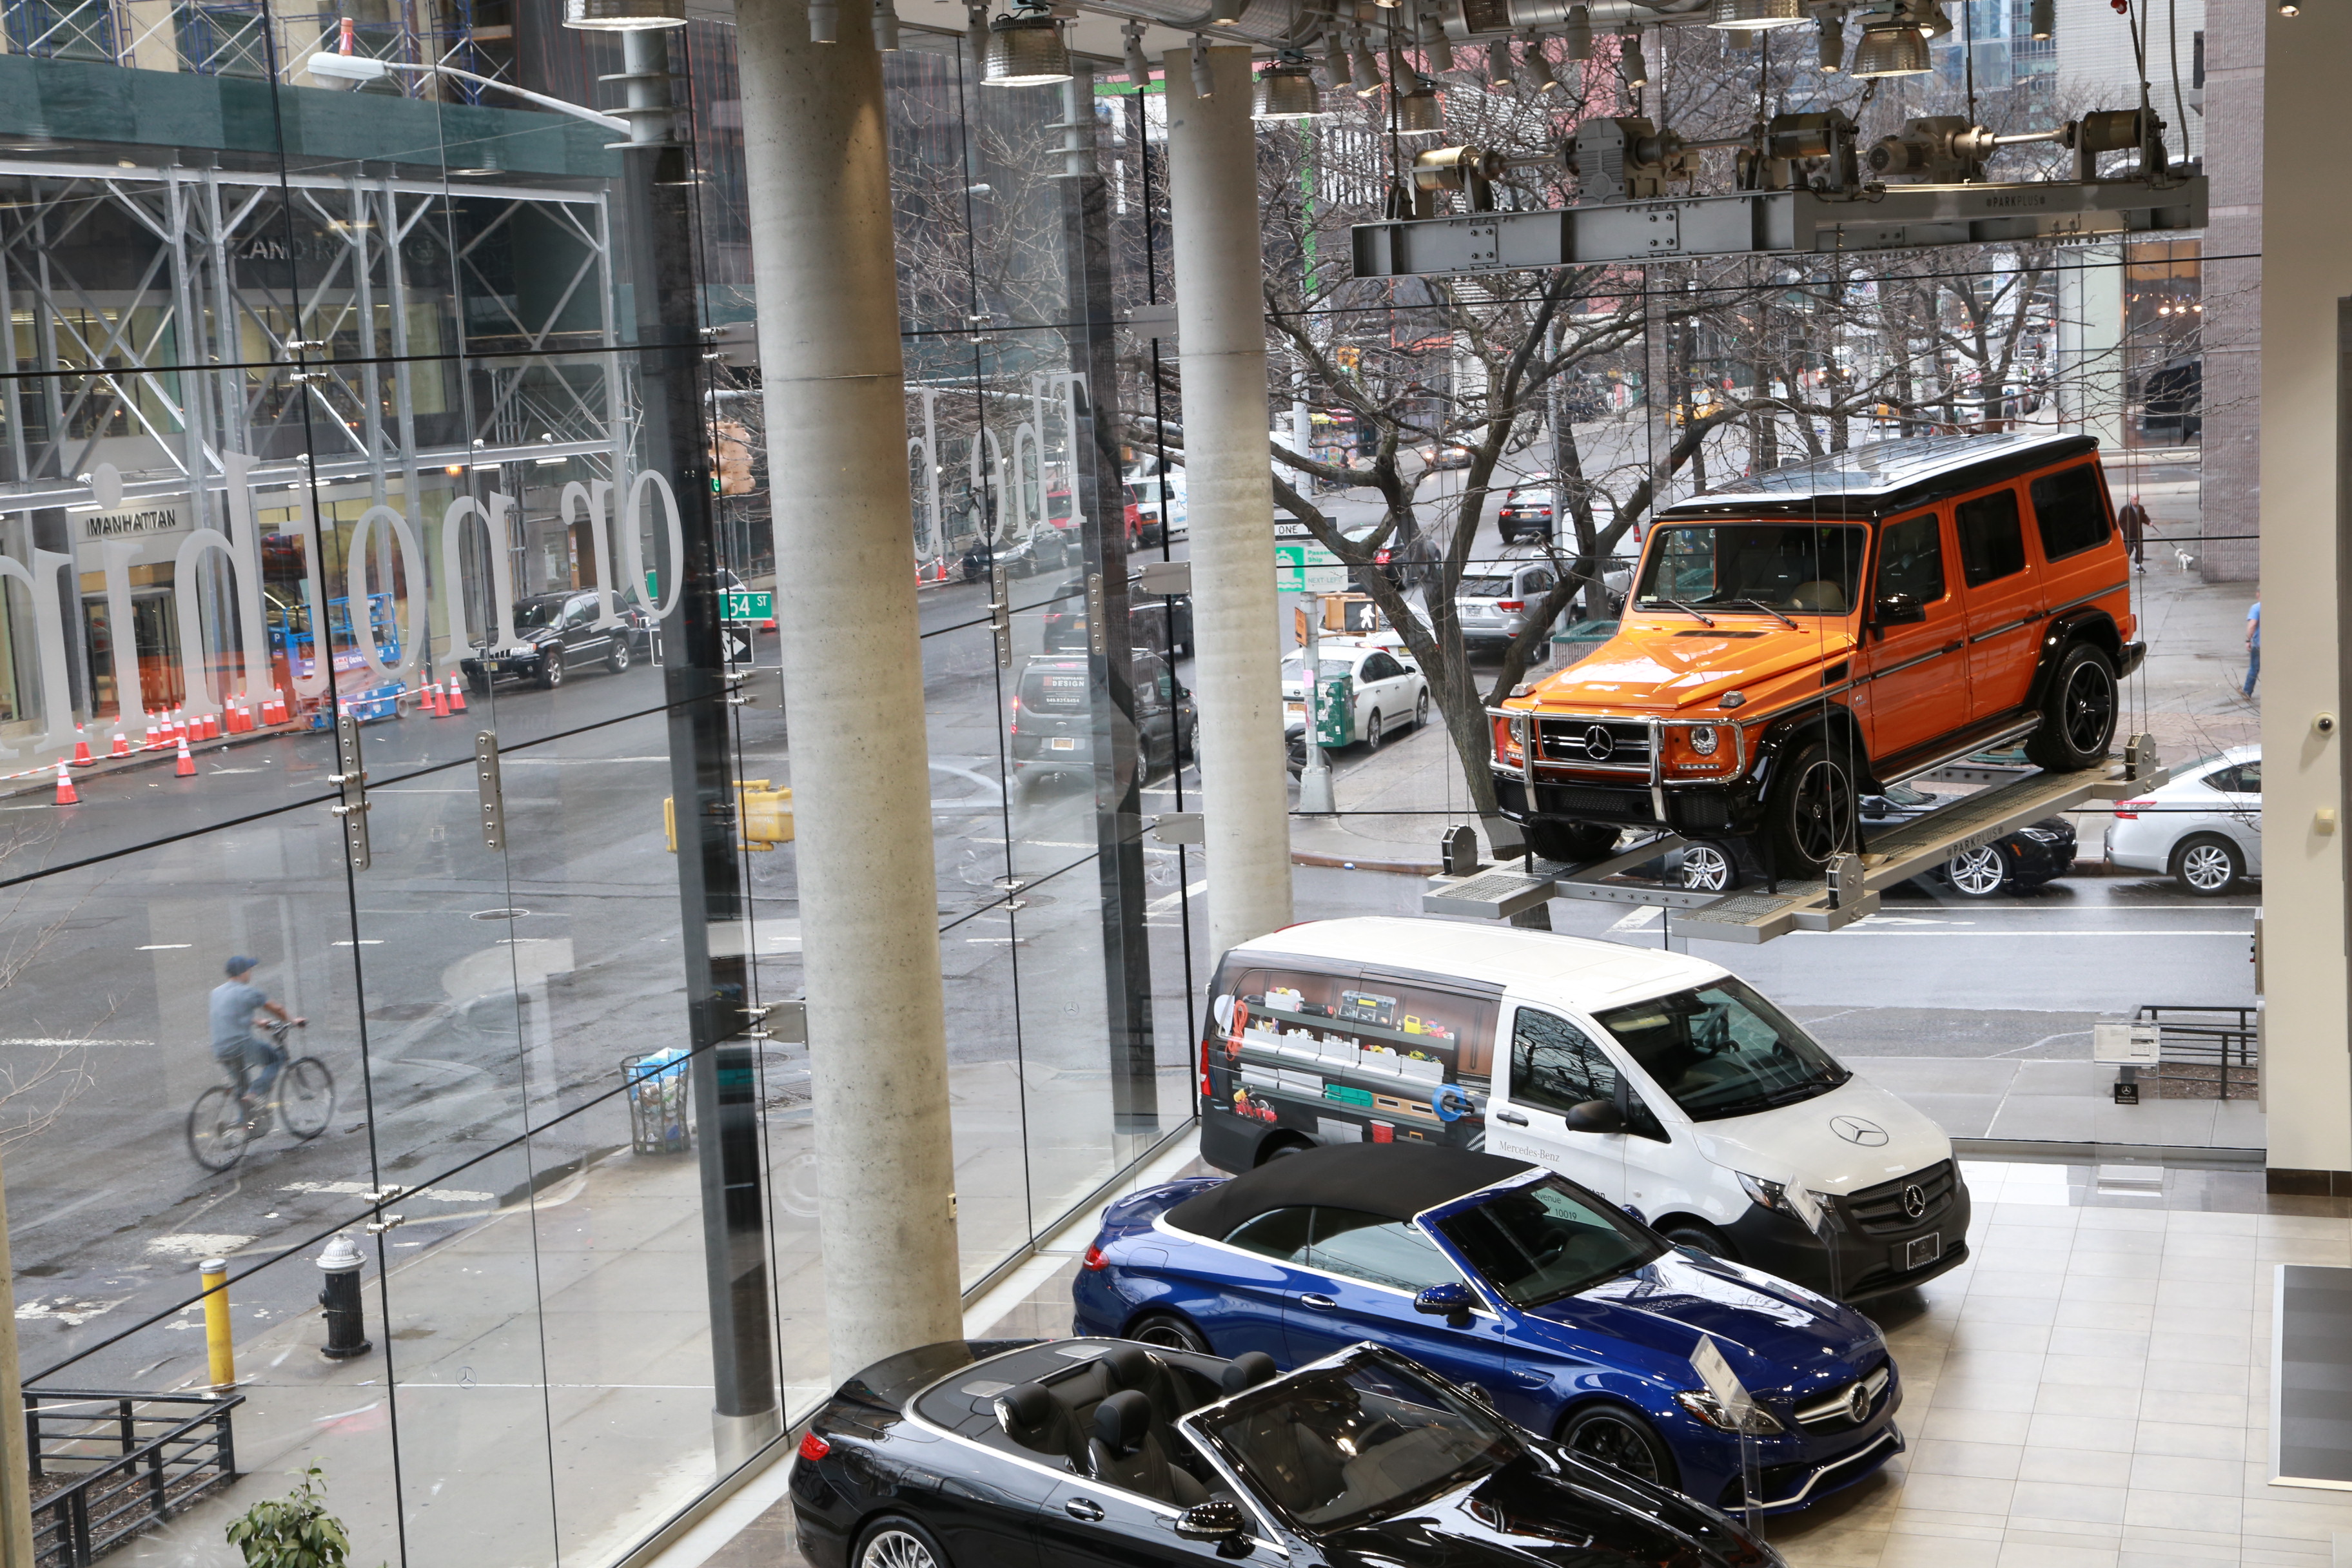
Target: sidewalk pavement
[2009, 1099]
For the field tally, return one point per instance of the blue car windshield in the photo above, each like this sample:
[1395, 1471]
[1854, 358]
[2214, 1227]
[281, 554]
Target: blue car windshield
[1545, 1240]
[1720, 1049]
[1341, 1446]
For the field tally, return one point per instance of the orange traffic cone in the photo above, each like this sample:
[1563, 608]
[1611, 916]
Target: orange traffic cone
[66, 795]
[211, 729]
[81, 757]
[148, 743]
[180, 725]
[273, 711]
[440, 701]
[121, 743]
[186, 766]
[457, 696]
[229, 726]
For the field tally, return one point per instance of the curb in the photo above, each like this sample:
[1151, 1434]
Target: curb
[1365, 863]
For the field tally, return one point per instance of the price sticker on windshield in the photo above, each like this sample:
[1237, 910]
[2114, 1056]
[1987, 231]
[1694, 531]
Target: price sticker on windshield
[1715, 1374]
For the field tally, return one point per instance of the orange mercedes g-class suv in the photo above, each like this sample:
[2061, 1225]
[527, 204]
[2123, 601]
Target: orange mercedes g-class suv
[1822, 632]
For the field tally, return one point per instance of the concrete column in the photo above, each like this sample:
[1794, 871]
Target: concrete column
[1228, 472]
[2307, 1087]
[817, 158]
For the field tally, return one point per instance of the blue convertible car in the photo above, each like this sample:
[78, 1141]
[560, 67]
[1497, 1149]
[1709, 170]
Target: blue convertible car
[1571, 1319]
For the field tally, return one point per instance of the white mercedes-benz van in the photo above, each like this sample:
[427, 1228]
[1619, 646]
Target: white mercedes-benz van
[1659, 1079]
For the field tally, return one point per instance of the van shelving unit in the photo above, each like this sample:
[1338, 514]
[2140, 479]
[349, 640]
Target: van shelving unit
[2006, 797]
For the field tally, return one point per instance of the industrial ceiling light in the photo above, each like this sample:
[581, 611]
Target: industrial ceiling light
[1334, 58]
[1629, 57]
[1418, 112]
[1750, 14]
[1500, 69]
[1580, 33]
[1285, 90]
[1891, 46]
[1025, 51]
[1139, 64]
[2044, 24]
[1537, 68]
[622, 16]
[1832, 21]
[1435, 47]
[1365, 67]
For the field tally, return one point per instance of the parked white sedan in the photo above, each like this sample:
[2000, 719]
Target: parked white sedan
[1389, 690]
[2203, 829]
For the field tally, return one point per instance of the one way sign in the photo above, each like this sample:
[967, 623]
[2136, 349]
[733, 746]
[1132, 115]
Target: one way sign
[739, 644]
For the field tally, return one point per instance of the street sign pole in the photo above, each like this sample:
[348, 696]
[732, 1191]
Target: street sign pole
[1315, 797]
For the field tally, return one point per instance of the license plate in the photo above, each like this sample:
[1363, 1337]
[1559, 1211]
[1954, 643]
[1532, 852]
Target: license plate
[1923, 1250]
[1064, 744]
[1294, 710]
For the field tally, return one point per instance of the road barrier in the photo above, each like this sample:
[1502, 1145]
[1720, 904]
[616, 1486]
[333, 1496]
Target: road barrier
[106, 1466]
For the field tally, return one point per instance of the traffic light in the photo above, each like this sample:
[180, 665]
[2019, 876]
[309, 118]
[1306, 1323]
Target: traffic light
[730, 459]
[763, 817]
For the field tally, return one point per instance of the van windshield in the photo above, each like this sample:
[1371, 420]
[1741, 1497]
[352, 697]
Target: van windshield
[1720, 1049]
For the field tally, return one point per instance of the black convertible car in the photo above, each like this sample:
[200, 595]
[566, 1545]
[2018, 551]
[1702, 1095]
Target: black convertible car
[1026, 1454]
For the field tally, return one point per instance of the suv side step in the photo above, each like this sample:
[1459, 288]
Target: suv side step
[1991, 735]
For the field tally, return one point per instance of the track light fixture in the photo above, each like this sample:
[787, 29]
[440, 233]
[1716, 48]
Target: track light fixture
[1204, 80]
[1335, 58]
[1580, 33]
[1891, 45]
[824, 20]
[1435, 47]
[1931, 15]
[2044, 23]
[975, 29]
[886, 25]
[2289, 8]
[1139, 64]
[1501, 69]
[1285, 90]
[1536, 68]
[1636, 69]
[1365, 67]
[1831, 22]
[1025, 51]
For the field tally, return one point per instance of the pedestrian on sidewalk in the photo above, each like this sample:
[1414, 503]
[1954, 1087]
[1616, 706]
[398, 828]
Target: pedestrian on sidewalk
[2253, 646]
[2134, 520]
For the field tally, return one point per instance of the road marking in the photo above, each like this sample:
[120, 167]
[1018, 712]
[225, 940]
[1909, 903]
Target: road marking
[81, 1203]
[1640, 920]
[163, 947]
[64, 1044]
[75, 1313]
[1861, 928]
[364, 942]
[195, 1244]
[361, 1189]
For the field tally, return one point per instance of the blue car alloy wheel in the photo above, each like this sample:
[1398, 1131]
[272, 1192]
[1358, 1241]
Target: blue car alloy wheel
[1562, 1312]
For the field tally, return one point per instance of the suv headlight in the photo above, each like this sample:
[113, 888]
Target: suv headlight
[1756, 1422]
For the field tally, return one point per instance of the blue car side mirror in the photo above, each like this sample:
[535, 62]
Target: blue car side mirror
[1450, 1302]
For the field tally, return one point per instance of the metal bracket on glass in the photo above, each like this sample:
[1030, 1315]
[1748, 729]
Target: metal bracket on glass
[389, 1222]
[999, 615]
[487, 784]
[1166, 579]
[1179, 827]
[758, 688]
[1152, 321]
[1095, 613]
[789, 1020]
[352, 780]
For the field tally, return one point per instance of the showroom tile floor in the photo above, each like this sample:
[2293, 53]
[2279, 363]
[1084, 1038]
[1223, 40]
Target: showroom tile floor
[2091, 1390]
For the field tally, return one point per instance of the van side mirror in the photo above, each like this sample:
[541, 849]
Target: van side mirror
[1219, 1520]
[1594, 1116]
[1450, 1302]
[1899, 610]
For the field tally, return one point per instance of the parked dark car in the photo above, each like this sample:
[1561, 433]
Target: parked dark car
[1043, 549]
[1526, 511]
[981, 1453]
[2016, 863]
[556, 633]
[1053, 722]
[1153, 625]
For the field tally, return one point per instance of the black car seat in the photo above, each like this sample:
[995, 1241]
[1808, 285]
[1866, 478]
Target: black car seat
[1033, 1417]
[1173, 1391]
[1125, 1453]
[1245, 1371]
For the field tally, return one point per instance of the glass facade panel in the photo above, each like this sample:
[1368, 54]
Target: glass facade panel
[323, 410]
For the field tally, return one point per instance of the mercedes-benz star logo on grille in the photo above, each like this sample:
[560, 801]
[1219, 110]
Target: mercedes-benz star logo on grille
[1857, 1403]
[1854, 1130]
[1599, 743]
[1915, 1202]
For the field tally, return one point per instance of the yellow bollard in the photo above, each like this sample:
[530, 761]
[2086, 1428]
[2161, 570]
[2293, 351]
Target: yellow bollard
[216, 1340]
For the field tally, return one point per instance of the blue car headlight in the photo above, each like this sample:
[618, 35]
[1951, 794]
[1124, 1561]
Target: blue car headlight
[1756, 1422]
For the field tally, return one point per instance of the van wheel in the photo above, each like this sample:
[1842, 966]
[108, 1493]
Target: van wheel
[1613, 1436]
[1167, 1331]
[1814, 812]
[2208, 864]
[1699, 1236]
[2078, 713]
[1570, 843]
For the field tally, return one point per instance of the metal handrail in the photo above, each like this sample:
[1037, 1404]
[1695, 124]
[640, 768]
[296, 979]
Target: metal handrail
[114, 1499]
[2227, 1037]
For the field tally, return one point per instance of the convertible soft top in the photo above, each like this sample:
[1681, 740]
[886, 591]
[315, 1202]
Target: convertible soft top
[1395, 1181]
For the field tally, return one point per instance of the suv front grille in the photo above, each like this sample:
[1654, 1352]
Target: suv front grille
[1605, 743]
[1883, 1210]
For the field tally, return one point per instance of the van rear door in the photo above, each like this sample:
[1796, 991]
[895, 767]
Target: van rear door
[1555, 1065]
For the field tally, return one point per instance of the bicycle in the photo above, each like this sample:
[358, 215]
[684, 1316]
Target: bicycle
[220, 1128]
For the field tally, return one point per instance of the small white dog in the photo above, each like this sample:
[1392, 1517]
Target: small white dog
[2186, 559]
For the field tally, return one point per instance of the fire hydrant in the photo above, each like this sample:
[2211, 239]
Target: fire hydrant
[346, 1309]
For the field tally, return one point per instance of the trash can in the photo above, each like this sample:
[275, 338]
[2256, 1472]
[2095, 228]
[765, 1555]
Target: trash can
[659, 1122]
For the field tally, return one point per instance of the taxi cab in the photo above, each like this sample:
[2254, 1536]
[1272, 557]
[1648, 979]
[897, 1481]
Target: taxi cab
[1822, 632]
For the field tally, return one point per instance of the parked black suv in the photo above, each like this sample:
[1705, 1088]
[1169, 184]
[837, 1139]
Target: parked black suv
[554, 632]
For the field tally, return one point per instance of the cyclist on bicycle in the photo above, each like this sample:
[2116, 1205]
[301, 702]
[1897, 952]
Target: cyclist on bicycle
[252, 1059]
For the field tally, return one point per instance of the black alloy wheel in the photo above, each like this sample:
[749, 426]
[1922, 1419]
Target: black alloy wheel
[1167, 1331]
[551, 669]
[2078, 712]
[1612, 1435]
[1570, 843]
[622, 655]
[1815, 811]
